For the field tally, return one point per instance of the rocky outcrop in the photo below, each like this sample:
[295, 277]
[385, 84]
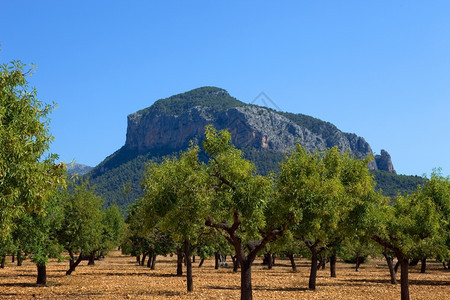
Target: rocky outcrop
[159, 127]
[384, 162]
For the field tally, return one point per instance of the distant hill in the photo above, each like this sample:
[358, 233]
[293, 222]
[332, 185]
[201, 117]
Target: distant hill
[392, 184]
[265, 135]
[78, 169]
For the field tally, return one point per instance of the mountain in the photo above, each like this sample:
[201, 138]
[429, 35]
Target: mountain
[264, 135]
[78, 169]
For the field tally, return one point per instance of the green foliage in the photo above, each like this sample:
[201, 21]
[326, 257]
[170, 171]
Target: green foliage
[354, 247]
[36, 233]
[310, 183]
[82, 229]
[114, 228]
[176, 195]
[392, 185]
[238, 189]
[211, 97]
[416, 225]
[28, 176]
[45, 226]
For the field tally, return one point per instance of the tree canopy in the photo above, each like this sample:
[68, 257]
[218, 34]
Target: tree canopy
[28, 175]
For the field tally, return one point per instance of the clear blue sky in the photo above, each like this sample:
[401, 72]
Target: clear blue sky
[380, 69]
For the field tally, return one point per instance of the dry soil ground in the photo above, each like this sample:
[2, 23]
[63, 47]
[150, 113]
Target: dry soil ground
[119, 277]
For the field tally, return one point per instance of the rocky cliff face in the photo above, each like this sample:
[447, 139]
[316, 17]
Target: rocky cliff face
[166, 126]
[384, 162]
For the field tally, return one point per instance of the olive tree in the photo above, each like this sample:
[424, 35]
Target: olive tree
[242, 206]
[324, 190]
[413, 224]
[28, 175]
[175, 200]
[82, 228]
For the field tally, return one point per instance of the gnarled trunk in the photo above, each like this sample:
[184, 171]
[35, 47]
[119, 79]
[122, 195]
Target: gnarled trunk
[216, 260]
[152, 267]
[268, 260]
[19, 258]
[246, 280]
[91, 258]
[322, 261]
[358, 263]
[202, 260]
[291, 258]
[2, 261]
[333, 260]
[149, 261]
[390, 263]
[236, 264]
[423, 266]
[41, 275]
[313, 272]
[75, 264]
[187, 252]
[404, 279]
[144, 256]
[179, 262]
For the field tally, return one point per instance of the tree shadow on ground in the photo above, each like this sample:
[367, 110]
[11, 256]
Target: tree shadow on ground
[260, 288]
[29, 284]
[388, 281]
[130, 274]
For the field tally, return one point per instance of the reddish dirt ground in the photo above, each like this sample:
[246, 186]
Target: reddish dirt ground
[119, 277]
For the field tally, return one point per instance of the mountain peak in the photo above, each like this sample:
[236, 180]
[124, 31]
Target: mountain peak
[212, 97]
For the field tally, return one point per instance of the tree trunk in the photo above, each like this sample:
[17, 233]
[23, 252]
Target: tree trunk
[138, 259]
[333, 265]
[235, 263]
[423, 265]
[19, 258]
[322, 261]
[390, 264]
[358, 263]
[269, 261]
[91, 259]
[216, 260]
[179, 262]
[187, 252]
[313, 273]
[414, 262]
[2, 261]
[246, 280]
[396, 266]
[75, 264]
[13, 258]
[144, 256]
[41, 275]
[193, 258]
[202, 260]
[291, 258]
[72, 259]
[152, 267]
[404, 279]
[149, 261]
